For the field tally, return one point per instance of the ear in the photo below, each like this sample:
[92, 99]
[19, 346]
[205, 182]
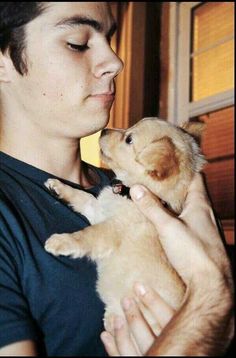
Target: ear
[4, 74]
[194, 128]
[159, 159]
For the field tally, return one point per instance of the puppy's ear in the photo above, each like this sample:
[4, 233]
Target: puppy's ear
[159, 159]
[194, 128]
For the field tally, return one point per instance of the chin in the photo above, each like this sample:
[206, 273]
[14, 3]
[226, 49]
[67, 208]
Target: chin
[100, 120]
[94, 123]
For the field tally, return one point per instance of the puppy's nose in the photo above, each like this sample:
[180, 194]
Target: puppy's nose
[104, 132]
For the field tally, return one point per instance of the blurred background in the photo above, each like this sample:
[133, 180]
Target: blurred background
[179, 66]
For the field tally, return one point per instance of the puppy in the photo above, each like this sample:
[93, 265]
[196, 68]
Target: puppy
[122, 242]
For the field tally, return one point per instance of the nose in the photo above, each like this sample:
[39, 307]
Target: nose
[104, 132]
[110, 65]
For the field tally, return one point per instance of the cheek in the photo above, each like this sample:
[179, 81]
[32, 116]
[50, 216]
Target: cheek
[59, 79]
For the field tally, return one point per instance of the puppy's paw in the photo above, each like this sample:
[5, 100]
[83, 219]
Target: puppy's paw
[55, 186]
[64, 244]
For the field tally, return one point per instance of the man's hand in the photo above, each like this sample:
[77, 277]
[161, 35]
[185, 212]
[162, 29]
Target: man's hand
[135, 336]
[192, 242]
[203, 325]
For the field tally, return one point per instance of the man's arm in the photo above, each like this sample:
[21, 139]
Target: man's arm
[20, 349]
[204, 324]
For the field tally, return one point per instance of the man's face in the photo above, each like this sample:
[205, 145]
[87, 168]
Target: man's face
[71, 69]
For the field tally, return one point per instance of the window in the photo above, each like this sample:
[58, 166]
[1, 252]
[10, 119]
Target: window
[212, 49]
[202, 86]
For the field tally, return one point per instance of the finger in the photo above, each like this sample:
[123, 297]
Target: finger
[137, 324]
[109, 344]
[197, 185]
[123, 339]
[198, 203]
[160, 310]
[197, 200]
[152, 208]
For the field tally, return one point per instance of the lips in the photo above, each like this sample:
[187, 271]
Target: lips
[106, 96]
[108, 93]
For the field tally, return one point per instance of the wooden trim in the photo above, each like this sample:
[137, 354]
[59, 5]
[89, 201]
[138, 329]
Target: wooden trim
[164, 61]
[122, 40]
[130, 47]
[183, 71]
[211, 103]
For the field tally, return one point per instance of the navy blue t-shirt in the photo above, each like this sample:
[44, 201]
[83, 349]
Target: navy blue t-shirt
[51, 300]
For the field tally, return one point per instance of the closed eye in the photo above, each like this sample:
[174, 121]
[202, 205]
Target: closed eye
[79, 48]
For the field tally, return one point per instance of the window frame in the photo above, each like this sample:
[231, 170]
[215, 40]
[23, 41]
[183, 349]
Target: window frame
[180, 109]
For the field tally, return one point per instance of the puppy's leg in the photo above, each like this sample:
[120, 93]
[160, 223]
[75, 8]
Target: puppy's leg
[80, 201]
[97, 241]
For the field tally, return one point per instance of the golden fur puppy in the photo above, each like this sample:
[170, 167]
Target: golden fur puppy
[122, 242]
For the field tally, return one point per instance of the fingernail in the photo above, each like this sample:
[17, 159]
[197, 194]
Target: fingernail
[118, 322]
[137, 192]
[105, 337]
[140, 289]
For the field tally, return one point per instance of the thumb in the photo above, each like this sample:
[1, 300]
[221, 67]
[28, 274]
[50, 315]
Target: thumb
[151, 207]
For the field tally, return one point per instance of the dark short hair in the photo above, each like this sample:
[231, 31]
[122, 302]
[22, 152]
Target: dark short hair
[13, 18]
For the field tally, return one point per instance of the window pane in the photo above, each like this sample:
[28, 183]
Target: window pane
[213, 21]
[218, 136]
[212, 59]
[213, 71]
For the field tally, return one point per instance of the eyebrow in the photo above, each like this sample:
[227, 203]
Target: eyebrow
[83, 20]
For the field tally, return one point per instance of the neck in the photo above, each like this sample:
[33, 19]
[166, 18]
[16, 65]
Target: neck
[56, 155]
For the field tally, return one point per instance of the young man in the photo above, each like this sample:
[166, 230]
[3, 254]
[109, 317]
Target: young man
[57, 85]
[57, 75]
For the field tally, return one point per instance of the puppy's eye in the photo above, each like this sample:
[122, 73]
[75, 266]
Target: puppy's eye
[129, 139]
